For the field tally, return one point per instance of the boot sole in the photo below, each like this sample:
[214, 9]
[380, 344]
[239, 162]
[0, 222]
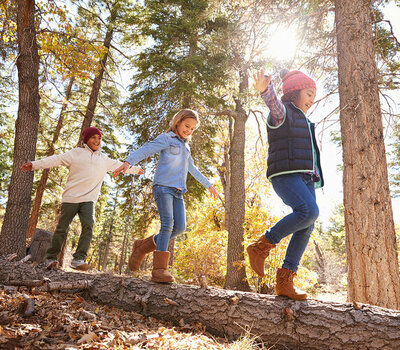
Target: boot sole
[52, 266]
[287, 296]
[83, 267]
[160, 281]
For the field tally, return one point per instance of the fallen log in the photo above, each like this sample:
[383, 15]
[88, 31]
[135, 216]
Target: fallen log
[287, 324]
[48, 286]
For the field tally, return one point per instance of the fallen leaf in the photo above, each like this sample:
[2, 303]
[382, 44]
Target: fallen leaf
[170, 302]
[87, 338]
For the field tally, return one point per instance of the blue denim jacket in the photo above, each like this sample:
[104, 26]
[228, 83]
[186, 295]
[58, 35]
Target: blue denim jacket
[174, 163]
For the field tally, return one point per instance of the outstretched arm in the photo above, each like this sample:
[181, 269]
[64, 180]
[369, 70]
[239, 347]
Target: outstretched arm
[261, 82]
[122, 169]
[115, 164]
[213, 192]
[264, 86]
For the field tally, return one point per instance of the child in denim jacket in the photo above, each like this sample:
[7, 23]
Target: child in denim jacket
[169, 184]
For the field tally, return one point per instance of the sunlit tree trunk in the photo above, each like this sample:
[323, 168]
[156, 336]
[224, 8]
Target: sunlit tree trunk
[94, 94]
[33, 219]
[235, 270]
[373, 270]
[13, 232]
[224, 173]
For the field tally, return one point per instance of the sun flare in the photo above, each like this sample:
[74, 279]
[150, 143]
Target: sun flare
[282, 44]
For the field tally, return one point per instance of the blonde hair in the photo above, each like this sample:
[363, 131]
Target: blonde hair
[181, 116]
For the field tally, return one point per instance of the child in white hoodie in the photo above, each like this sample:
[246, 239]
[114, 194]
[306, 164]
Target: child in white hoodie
[87, 168]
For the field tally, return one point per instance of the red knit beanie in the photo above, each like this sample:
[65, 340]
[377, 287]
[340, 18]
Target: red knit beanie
[296, 80]
[89, 132]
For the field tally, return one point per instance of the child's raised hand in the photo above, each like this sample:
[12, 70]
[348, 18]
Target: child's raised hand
[213, 192]
[122, 169]
[26, 167]
[260, 81]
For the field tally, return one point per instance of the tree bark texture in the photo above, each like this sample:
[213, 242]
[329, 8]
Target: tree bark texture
[41, 241]
[373, 270]
[235, 271]
[108, 243]
[94, 94]
[278, 321]
[13, 232]
[34, 217]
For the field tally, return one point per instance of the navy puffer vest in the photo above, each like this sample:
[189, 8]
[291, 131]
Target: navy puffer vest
[291, 145]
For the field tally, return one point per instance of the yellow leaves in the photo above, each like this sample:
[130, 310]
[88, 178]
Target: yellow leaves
[202, 254]
[8, 28]
[68, 48]
[73, 55]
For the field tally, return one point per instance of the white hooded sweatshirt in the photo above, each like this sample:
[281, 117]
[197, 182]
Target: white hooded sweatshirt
[87, 169]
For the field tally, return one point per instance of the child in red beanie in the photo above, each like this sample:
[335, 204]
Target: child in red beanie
[294, 170]
[87, 168]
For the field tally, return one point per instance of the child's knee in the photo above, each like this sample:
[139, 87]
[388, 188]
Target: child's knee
[314, 212]
[310, 213]
[167, 225]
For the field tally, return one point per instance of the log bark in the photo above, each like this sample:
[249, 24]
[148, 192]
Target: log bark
[373, 269]
[278, 321]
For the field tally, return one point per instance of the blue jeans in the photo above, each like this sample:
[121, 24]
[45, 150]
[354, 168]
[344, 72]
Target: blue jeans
[298, 192]
[171, 209]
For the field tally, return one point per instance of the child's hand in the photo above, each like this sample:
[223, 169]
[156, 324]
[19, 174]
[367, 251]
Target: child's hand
[141, 171]
[260, 81]
[213, 192]
[122, 169]
[26, 167]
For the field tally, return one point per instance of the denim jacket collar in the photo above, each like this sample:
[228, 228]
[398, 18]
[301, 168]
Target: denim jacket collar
[172, 134]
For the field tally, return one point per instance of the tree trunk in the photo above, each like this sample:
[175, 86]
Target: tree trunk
[108, 244]
[235, 270]
[224, 173]
[373, 270]
[123, 253]
[278, 322]
[13, 232]
[33, 219]
[41, 241]
[94, 94]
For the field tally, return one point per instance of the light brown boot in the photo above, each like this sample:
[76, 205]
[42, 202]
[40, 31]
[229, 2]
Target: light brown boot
[160, 265]
[258, 252]
[285, 287]
[140, 248]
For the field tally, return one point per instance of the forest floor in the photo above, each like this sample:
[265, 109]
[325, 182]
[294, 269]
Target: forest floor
[67, 321]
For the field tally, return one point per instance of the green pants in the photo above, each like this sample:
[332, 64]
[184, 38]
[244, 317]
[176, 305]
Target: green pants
[85, 211]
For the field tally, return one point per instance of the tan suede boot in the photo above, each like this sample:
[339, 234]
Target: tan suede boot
[258, 252]
[140, 248]
[160, 265]
[285, 287]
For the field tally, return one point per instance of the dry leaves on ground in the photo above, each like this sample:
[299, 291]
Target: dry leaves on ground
[67, 321]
